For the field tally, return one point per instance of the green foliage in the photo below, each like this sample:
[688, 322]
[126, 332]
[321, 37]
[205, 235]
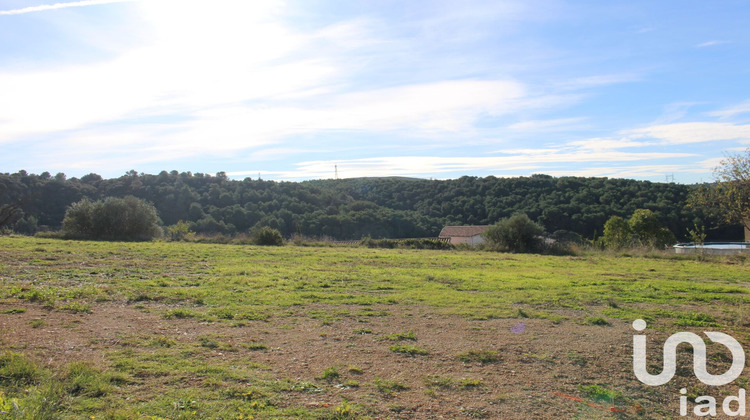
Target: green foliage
[401, 336]
[479, 356]
[388, 386]
[179, 231]
[515, 234]
[697, 235]
[643, 228]
[268, 236]
[351, 209]
[617, 233]
[599, 393]
[330, 374]
[728, 200]
[17, 370]
[125, 219]
[409, 350]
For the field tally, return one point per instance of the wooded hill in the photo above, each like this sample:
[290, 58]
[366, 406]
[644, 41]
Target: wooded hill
[355, 208]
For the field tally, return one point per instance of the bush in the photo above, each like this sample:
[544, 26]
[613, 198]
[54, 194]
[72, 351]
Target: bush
[515, 234]
[268, 236]
[179, 231]
[124, 219]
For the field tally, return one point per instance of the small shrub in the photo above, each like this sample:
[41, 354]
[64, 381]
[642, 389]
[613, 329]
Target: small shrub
[515, 234]
[330, 374]
[599, 393]
[356, 370]
[179, 313]
[479, 356]
[409, 350]
[400, 336]
[596, 320]
[256, 346]
[268, 236]
[14, 311]
[470, 383]
[388, 387]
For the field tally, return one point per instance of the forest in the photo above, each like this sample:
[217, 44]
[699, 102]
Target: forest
[350, 209]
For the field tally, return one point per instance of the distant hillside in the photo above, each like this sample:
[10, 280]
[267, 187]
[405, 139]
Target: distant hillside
[392, 207]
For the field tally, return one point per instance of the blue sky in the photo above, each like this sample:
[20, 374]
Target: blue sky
[290, 90]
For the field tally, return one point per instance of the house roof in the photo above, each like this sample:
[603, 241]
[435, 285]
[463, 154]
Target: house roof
[462, 231]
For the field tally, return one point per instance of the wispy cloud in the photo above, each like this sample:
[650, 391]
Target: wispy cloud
[692, 132]
[711, 44]
[55, 6]
[732, 111]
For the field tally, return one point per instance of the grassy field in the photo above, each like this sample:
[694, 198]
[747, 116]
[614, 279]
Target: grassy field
[183, 331]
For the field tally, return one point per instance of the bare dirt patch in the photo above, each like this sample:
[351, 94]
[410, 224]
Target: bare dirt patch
[538, 372]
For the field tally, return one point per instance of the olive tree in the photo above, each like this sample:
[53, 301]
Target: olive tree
[126, 219]
[515, 234]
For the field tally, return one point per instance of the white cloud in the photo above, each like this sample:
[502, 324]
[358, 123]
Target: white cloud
[559, 124]
[711, 43]
[732, 111]
[56, 6]
[518, 160]
[692, 132]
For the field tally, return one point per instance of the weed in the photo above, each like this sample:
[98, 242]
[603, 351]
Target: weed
[330, 374]
[596, 320]
[439, 382]
[468, 383]
[179, 313]
[409, 350]
[82, 380]
[208, 342]
[400, 336]
[14, 311]
[479, 356]
[18, 370]
[388, 386]
[256, 346]
[162, 341]
[356, 370]
[76, 308]
[599, 393]
[36, 323]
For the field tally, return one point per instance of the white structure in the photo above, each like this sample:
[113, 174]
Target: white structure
[471, 235]
[713, 248]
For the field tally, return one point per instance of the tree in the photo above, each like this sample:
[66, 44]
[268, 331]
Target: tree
[268, 236]
[728, 200]
[515, 234]
[127, 219]
[617, 233]
[642, 228]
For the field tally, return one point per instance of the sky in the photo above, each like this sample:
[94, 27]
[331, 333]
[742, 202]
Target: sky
[314, 89]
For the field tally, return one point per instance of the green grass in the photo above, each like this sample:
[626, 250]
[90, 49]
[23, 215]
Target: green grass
[479, 356]
[409, 350]
[400, 336]
[180, 377]
[251, 283]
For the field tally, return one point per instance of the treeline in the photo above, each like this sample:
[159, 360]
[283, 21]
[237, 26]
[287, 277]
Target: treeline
[352, 208]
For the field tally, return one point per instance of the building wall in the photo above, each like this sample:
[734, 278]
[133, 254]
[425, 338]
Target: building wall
[470, 240]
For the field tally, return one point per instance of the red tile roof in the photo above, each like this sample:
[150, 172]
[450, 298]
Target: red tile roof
[462, 231]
